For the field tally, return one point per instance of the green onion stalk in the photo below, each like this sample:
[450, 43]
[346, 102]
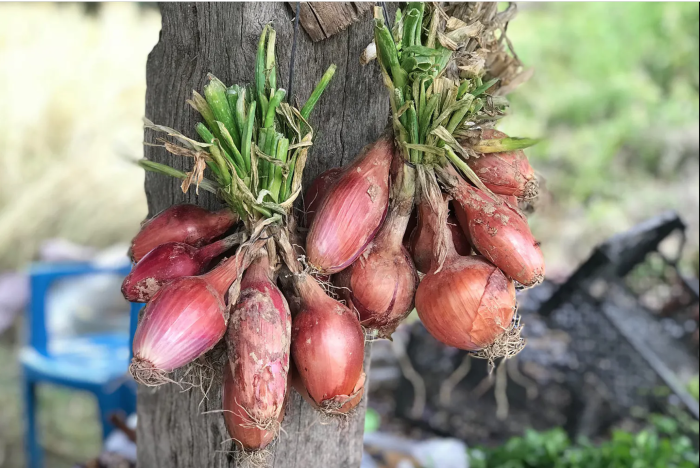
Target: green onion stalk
[253, 141]
[433, 103]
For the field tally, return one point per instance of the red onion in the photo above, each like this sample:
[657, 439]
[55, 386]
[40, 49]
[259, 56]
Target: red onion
[317, 191]
[468, 303]
[169, 261]
[184, 320]
[501, 234]
[258, 340]
[381, 283]
[327, 348]
[189, 224]
[353, 210]
[507, 173]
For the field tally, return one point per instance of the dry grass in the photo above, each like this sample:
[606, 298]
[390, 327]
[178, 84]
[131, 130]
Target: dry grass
[71, 101]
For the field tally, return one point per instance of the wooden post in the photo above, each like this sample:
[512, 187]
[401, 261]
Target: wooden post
[221, 38]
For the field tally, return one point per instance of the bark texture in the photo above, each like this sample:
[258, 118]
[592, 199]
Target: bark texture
[321, 20]
[221, 38]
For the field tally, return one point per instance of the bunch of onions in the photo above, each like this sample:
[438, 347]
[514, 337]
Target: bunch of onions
[381, 283]
[314, 195]
[501, 234]
[188, 224]
[327, 349]
[258, 340]
[170, 261]
[505, 173]
[466, 302]
[352, 211]
[184, 320]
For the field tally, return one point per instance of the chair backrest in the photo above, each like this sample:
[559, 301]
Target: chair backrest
[41, 277]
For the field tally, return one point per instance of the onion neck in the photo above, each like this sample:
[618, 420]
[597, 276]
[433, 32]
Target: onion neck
[403, 192]
[310, 292]
[259, 270]
[217, 248]
[223, 276]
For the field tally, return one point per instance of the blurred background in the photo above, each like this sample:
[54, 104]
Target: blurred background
[615, 93]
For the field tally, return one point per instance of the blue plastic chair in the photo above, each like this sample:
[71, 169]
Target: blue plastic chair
[96, 363]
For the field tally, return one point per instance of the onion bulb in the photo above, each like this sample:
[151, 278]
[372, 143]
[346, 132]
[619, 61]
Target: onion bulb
[328, 349]
[169, 261]
[501, 234]
[352, 211]
[381, 283]
[189, 224]
[317, 191]
[507, 173]
[184, 320]
[258, 339]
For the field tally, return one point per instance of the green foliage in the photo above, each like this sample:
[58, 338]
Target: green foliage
[694, 387]
[660, 446]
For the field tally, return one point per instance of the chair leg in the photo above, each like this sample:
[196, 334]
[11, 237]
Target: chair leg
[34, 452]
[108, 403]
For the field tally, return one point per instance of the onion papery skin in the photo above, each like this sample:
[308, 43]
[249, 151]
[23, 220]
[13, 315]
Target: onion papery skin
[167, 262]
[422, 241]
[468, 304]
[382, 282]
[317, 191]
[185, 319]
[189, 224]
[352, 211]
[507, 173]
[258, 343]
[501, 234]
[327, 349]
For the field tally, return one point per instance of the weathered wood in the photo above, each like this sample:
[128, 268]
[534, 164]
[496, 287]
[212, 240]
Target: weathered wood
[221, 38]
[322, 20]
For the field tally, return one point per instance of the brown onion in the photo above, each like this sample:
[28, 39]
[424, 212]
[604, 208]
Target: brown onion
[184, 320]
[468, 303]
[169, 261]
[317, 191]
[352, 211]
[507, 173]
[501, 234]
[258, 340]
[189, 224]
[328, 349]
[381, 283]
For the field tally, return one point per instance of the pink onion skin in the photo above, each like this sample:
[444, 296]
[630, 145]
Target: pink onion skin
[508, 173]
[501, 234]
[468, 304]
[258, 342]
[327, 347]
[184, 320]
[167, 262]
[189, 224]
[381, 283]
[352, 211]
[317, 191]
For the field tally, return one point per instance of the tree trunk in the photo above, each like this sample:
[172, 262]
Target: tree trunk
[173, 431]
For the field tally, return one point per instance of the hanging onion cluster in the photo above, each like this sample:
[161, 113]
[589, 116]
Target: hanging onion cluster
[440, 168]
